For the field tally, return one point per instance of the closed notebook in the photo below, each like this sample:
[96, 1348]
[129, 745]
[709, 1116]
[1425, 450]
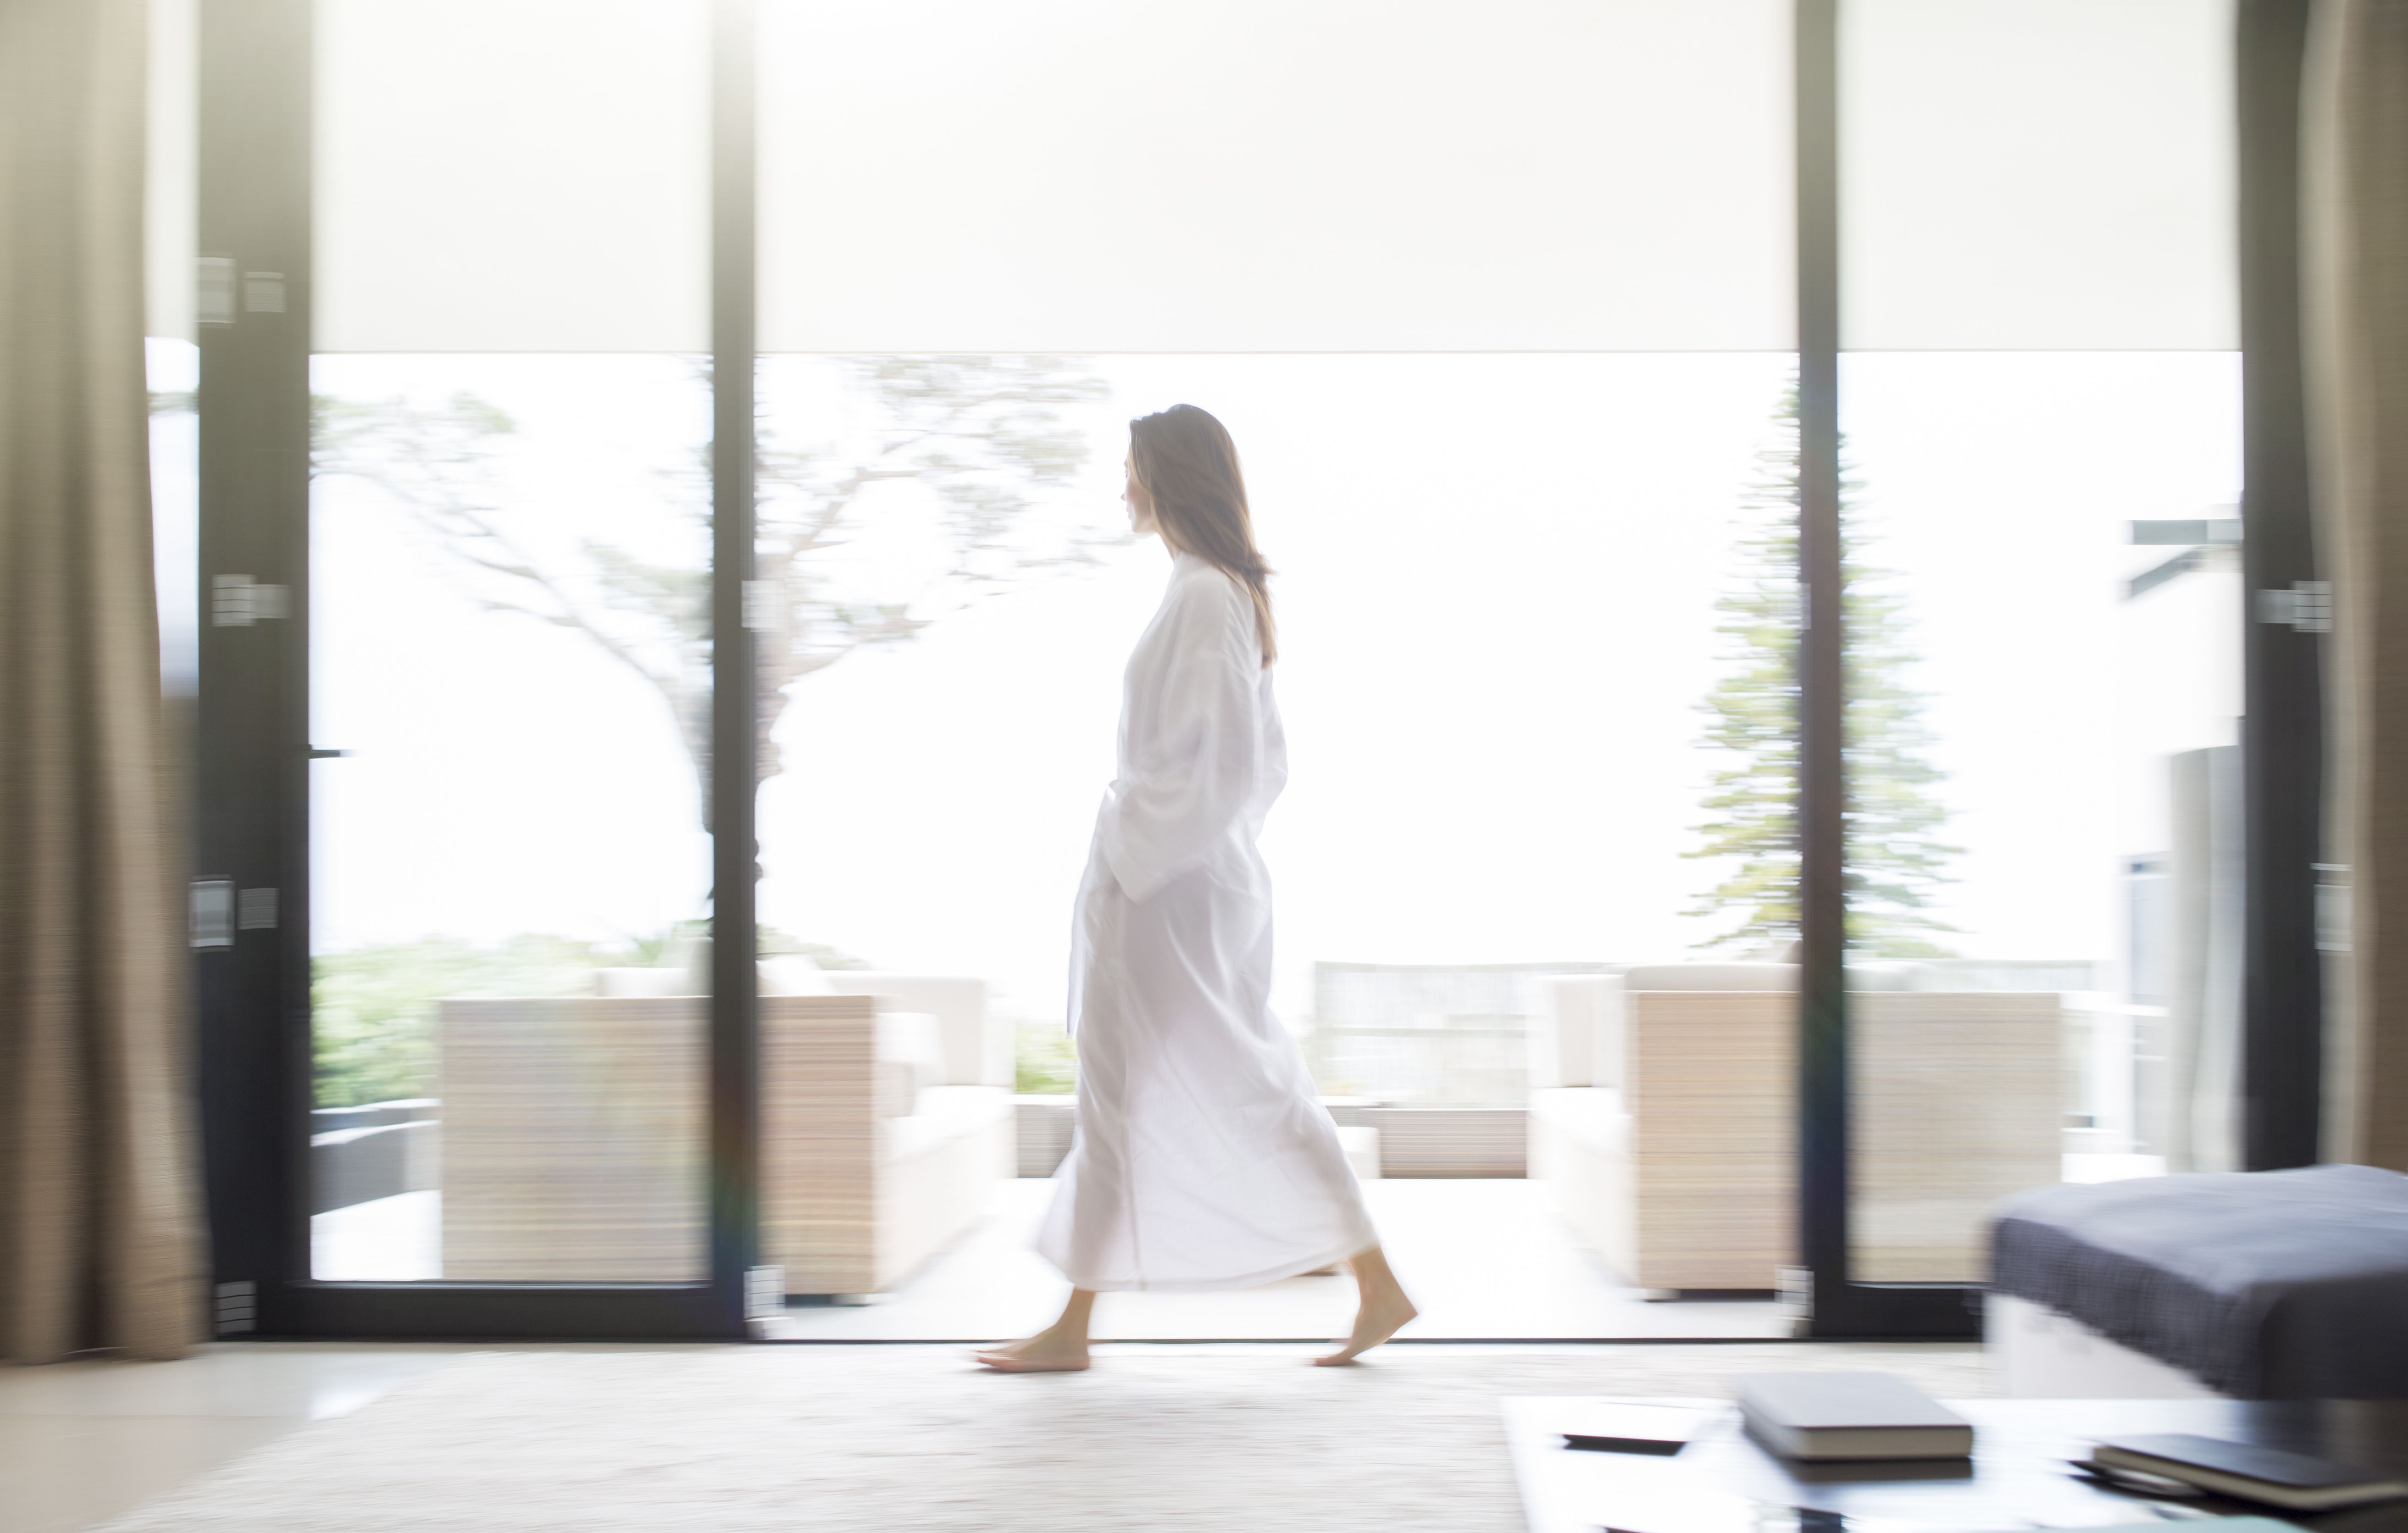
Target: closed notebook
[1849, 1415]
[2292, 1481]
[2204, 1524]
[1616, 1429]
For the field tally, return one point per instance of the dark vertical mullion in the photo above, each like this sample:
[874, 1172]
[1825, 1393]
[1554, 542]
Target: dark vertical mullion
[1821, 898]
[2282, 724]
[1840, 1307]
[735, 1100]
[250, 762]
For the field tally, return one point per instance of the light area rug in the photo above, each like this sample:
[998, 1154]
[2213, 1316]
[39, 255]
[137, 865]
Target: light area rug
[769, 1438]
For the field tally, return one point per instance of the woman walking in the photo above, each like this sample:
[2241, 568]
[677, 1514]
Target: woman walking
[1203, 1158]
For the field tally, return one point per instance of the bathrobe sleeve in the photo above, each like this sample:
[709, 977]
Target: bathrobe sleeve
[1195, 752]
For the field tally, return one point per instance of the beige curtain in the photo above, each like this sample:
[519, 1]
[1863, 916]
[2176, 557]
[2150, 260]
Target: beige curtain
[2357, 208]
[98, 1215]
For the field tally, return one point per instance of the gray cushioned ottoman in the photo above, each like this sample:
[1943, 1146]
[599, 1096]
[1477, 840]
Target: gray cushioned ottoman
[2262, 1286]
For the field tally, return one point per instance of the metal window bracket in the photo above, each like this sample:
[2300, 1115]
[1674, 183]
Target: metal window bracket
[765, 1293]
[212, 919]
[237, 601]
[2306, 608]
[237, 1308]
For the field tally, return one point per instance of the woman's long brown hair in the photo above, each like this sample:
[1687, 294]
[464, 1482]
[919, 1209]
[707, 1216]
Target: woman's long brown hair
[1188, 465]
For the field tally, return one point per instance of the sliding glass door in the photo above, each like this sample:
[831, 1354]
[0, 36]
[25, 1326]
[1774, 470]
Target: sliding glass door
[1651, 938]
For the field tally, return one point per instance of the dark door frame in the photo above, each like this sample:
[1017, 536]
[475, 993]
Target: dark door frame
[252, 746]
[2280, 731]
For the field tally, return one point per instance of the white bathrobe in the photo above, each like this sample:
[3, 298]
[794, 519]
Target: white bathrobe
[1203, 1157]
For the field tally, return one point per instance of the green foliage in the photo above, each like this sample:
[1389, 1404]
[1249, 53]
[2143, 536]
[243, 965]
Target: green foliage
[372, 1009]
[1752, 712]
[1895, 860]
[1045, 1062]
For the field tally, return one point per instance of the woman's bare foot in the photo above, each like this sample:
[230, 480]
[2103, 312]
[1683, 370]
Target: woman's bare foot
[1043, 1353]
[1059, 1348]
[1383, 1312]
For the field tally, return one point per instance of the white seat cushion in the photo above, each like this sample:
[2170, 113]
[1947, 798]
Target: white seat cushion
[793, 974]
[1883, 976]
[907, 1060]
[1362, 1147]
[643, 982]
[1572, 1043]
[945, 1114]
[1590, 1116]
[976, 1053]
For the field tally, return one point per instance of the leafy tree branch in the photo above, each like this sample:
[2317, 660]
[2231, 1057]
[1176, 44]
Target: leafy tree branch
[987, 443]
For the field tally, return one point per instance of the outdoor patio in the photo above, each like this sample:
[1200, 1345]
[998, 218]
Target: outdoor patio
[1482, 1258]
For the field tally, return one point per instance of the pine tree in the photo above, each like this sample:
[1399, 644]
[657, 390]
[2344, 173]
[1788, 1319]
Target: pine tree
[1895, 859]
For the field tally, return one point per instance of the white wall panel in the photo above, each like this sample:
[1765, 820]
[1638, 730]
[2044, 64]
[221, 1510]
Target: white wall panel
[1271, 175]
[2037, 175]
[172, 171]
[512, 176]
[1276, 175]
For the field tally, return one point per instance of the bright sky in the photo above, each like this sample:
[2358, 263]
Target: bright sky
[1496, 577]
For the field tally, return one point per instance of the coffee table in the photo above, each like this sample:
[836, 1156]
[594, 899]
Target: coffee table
[2018, 1478]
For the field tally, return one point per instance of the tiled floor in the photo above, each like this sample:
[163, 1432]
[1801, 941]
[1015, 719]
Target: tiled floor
[1482, 1258]
[81, 1442]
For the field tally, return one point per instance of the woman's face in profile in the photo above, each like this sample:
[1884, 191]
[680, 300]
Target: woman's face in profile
[1140, 505]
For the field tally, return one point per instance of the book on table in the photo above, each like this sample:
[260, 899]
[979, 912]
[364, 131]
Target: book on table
[1849, 1415]
[2295, 1482]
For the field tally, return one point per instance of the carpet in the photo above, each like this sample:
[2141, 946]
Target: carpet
[766, 1438]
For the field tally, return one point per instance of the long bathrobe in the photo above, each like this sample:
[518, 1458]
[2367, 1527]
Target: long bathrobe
[1202, 1156]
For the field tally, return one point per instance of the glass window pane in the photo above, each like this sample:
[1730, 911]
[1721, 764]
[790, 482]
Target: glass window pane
[509, 573]
[1084, 176]
[2041, 428]
[2045, 670]
[509, 569]
[2037, 175]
